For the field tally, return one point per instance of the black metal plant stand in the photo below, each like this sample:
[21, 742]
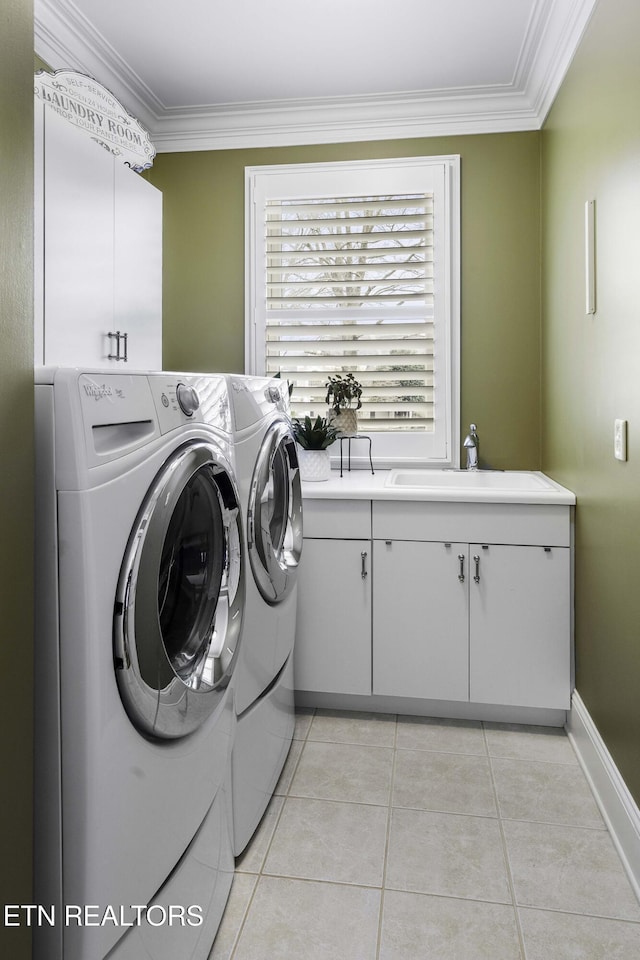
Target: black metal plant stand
[349, 438]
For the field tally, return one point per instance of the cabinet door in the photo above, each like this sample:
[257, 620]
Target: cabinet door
[420, 620]
[78, 245]
[519, 635]
[138, 268]
[333, 636]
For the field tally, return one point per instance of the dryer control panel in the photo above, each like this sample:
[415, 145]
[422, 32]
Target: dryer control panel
[182, 399]
[188, 399]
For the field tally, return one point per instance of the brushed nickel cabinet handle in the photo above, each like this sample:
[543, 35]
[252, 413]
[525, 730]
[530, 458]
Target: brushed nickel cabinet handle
[118, 337]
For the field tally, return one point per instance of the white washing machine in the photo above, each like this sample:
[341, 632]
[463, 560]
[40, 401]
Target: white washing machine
[140, 593]
[270, 494]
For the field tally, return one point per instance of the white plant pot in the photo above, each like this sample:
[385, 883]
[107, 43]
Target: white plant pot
[314, 464]
[346, 422]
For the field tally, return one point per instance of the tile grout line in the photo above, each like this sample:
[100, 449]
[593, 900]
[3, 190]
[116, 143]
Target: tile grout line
[505, 852]
[577, 914]
[555, 823]
[244, 919]
[387, 839]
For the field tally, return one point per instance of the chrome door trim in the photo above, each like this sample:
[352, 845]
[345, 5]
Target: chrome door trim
[274, 564]
[184, 695]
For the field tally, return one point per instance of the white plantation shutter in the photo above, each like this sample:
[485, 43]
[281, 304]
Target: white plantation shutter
[350, 270]
[349, 287]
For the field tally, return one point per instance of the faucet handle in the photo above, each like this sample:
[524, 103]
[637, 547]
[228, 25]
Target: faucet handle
[471, 440]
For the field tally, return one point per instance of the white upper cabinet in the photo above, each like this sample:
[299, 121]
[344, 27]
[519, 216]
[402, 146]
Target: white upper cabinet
[98, 254]
[138, 267]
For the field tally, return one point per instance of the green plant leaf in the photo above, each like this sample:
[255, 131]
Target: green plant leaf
[314, 435]
[342, 391]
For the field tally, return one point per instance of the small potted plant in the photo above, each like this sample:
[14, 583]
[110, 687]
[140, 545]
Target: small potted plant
[313, 437]
[342, 394]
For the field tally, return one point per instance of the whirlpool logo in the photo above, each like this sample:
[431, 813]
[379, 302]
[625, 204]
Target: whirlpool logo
[103, 391]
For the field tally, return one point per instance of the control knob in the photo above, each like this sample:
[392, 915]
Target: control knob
[272, 394]
[188, 399]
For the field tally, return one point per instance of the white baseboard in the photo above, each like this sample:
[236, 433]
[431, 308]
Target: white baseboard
[619, 809]
[454, 709]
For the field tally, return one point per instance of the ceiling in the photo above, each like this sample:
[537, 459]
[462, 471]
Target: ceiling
[214, 74]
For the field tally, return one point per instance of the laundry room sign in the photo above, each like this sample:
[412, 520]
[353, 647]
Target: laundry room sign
[87, 104]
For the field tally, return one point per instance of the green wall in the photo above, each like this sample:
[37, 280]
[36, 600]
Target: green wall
[500, 340]
[591, 364]
[16, 490]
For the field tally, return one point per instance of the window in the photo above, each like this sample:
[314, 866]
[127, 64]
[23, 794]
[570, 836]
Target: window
[354, 267]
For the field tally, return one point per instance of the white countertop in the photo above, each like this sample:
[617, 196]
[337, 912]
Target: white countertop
[485, 486]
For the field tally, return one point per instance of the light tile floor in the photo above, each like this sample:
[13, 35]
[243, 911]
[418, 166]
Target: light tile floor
[404, 838]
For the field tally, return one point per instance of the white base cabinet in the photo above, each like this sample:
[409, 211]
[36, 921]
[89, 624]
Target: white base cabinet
[333, 641]
[487, 623]
[520, 625]
[479, 622]
[420, 621]
[97, 251]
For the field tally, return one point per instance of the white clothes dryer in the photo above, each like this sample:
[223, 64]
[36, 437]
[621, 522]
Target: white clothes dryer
[140, 592]
[271, 499]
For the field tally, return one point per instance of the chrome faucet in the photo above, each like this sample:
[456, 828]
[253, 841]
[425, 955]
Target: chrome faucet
[472, 446]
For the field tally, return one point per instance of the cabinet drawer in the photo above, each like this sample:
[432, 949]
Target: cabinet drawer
[337, 519]
[517, 523]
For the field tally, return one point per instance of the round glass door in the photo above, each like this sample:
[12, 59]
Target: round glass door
[274, 518]
[179, 600]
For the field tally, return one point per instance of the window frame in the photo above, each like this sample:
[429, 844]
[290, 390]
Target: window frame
[390, 449]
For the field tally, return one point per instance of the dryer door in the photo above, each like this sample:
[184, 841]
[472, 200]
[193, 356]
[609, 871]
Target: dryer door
[180, 595]
[274, 519]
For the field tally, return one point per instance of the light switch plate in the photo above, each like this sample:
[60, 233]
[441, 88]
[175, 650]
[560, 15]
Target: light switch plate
[590, 257]
[620, 439]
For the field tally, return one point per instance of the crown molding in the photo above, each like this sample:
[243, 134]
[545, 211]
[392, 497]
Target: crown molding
[344, 120]
[560, 40]
[64, 38]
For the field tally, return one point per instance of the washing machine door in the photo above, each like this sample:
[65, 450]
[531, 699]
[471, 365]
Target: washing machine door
[274, 516]
[180, 595]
